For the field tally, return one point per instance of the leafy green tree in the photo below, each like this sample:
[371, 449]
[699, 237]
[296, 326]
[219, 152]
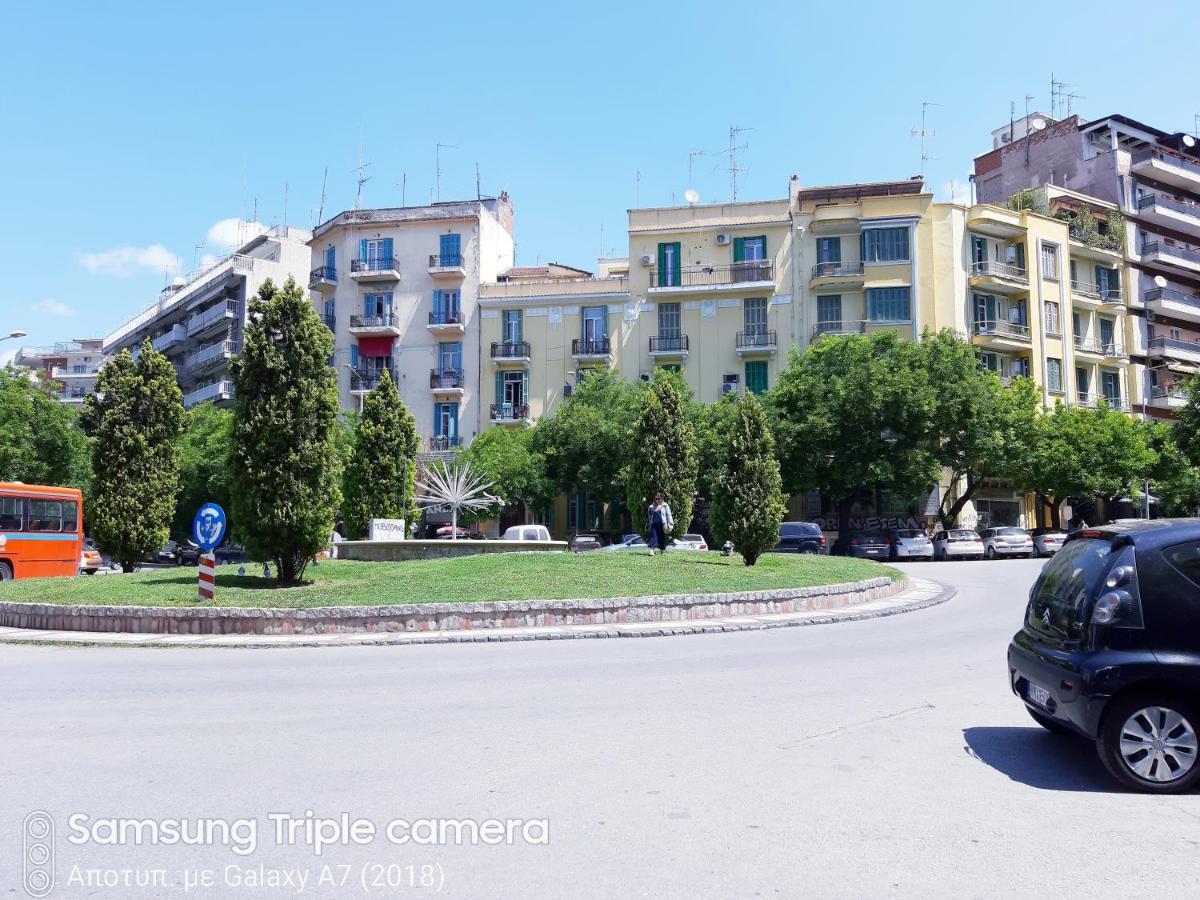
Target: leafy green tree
[662, 455]
[134, 419]
[1123, 459]
[748, 503]
[1187, 424]
[855, 413]
[203, 464]
[517, 472]
[40, 442]
[286, 473]
[380, 476]
[1174, 479]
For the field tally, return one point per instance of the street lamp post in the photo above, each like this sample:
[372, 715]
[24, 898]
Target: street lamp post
[13, 334]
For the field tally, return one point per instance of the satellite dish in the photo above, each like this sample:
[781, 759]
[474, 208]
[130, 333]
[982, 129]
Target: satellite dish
[1038, 124]
[1160, 281]
[1189, 141]
[690, 196]
[179, 282]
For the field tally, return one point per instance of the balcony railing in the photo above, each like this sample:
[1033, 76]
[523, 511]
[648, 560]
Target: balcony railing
[385, 321]
[755, 338]
[443, 442]
[216, 352]
[1108, 294]
[1000, 270]
[1168, 391]
[445, 317]
[381, 264]
[709, 276]
[1113, 349]
[999, 328]
[591, 347]
[228, 309]
[221, 390]
[322, 273]
[510, 349]
[509, 412]
[1170, 250]
[839, 327]
[1168, 343]
[445, 261]
[1166, 156]
[446, 379]
[170, 338]
[1171, 295]
[832, 269]
[367, 379]
[1120, 404]
[677, 343]
[1188, 209]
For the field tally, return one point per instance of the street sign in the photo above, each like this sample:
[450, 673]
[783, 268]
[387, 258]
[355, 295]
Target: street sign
[208, 528]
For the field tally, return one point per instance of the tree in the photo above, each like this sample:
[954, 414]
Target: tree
[203, 464]
[285, 488]
[380, 476]
[40, 441]
[662, 455]
[748, 503]
[134, 419]
[855, 413]
[1174, 480]
[1122, 458]
[1187, 425]
[517, 472]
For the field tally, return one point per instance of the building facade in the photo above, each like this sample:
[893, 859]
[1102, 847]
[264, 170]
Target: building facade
[199, 319]
[69, 367]
[399, 290]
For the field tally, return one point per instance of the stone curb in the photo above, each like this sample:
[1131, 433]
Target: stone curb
[921, 594]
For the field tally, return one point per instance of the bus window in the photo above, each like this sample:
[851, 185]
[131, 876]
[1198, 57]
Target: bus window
[70, 516]
[45, 515]
[11, 518]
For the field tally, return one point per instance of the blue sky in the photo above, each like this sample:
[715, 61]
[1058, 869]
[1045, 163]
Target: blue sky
[131, 130]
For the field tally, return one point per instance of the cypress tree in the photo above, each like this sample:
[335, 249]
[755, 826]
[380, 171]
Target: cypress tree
[748, 504]
[662, 455]
[134, 417]
[381, 472]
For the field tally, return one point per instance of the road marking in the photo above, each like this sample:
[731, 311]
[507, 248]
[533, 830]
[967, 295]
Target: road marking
[855, 726]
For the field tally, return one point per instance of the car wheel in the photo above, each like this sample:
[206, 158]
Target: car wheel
[6, 572]
[990, 553]
[1148, 742]
[1048, 723]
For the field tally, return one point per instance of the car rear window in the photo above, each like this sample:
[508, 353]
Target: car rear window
[964, 535]
[1185, 558]
[870, 536]
[693, 537]
[911, 533]
[1019, 531]
[798, 529]
[1058, 599]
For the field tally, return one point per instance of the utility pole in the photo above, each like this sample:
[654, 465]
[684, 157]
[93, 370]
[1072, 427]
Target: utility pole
[438, 182]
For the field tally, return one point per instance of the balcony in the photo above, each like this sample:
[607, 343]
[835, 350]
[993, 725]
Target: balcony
[510, 352]
[446, 321]
[1169, 212]
[999, 277]
[443, 443]
[376, 269]
[1162, 253]
[323, 279]
[1094, 296]
[1174, 348]
[837, 218]
[510, 413]
[366, 326]
[58, 373]
[591, 348]
[1168, 396]
[1087, 345]
[823, 329]
[752, 273]
[164, 342]
[217, 392]
[1167, 167]
[842, 274]
[1118, 404]
[1173, 302]
[997, 333]
[447, 381]
[219, 315]
[447, 267]
[757, 341]
[363, 380]
[672, 346]
[996, 221]
[210, 357]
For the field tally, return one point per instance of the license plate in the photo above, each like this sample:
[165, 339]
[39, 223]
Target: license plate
[1038, 695]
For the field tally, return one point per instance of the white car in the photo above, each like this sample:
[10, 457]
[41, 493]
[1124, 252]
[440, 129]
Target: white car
[1006, 541]
[908, 543]
[689, 542]
[1047, 541]
[527, 533]
[957, 543]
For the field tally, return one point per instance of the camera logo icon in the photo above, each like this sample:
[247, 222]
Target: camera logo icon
[37, 862]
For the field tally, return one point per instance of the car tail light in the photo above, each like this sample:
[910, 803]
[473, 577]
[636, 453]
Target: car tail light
[853, 542]
[1120, 606]
[821, 540]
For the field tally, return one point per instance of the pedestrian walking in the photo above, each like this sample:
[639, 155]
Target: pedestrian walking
[661, 522]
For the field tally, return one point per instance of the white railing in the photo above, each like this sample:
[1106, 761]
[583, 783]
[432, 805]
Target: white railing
[174, 336]
[218, 390]
[228, 309]
[208, 354]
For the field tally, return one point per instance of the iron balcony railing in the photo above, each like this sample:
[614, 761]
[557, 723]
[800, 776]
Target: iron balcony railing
[509, 412]
[677, 343]
[1171, 295]
[221, 390]
[445, 261]
[839, 327]
[1113, 349]
[755, 338]
[752, 270]
[510, 349]
[1169, 343]
[1188, 209]
[445, 317]
[443, 442]
[999, 328]
[1165, 391]
[1000, 270]
[1170, 250]
[1110, 294]
[1083, 398]
[385, 321]
[381, 264]
[833, 269]
[368, 379]
[591, 347]
[322, 273]
[1166, 156]
[446, 379]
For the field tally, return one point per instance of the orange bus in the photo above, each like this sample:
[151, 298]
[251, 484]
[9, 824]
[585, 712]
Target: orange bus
[41, 530]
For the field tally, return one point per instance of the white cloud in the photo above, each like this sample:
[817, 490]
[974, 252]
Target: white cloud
[955, 191]
[228, 234]
[123, 262]
[54, 308]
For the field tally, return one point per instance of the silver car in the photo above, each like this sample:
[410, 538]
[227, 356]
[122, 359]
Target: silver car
[1006, 541]
[1047, 541]
[909, 543]
[957, 543]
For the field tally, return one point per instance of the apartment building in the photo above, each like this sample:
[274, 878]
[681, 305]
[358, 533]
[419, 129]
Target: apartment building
[1152, 178]
[399, 289]
[198, 320]
[69, 367]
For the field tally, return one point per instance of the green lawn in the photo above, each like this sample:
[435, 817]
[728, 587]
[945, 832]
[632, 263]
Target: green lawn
[508, 576]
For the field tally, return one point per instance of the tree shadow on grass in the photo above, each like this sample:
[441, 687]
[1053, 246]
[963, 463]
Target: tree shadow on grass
[241, 582]
[1035, 757]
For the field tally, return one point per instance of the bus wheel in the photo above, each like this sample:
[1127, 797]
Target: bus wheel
[5, 571]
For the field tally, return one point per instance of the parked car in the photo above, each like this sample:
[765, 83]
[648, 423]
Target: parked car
[90, 561]
[1006, 541]
[1110, 649]
[188, 554]
[800, 537]
[584, 542]
[957, 543]
[1047, 541]
[167, 554]
[866, 544]
[689, 542]
[908, 543]
[230, 553]
[526, 533]
[628, 542]
[448, 533]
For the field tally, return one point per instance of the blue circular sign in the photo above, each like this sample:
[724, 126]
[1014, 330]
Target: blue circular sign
[208, 528]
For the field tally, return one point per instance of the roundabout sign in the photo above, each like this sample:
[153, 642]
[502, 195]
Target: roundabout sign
[208, 531]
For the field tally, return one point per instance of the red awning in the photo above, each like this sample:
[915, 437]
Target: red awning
[375, 346]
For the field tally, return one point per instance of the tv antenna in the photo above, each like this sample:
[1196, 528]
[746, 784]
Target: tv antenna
[1071, 98]
[925, 133]
[1058, 91]
[320, 211]
[691, 159]
[438, 182]
[1028, 97]
[734, 132]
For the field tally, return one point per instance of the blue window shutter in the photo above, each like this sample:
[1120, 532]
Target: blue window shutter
[331, 257]
[450, 248]
[387, 248]
[368, 304]
[354, 356]
[453, 420]
[437, 303]
[362, 249]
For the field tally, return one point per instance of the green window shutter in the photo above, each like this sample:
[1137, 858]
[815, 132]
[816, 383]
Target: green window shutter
[763, 239]
[362, 249]
[739, 249]
[662, 265]
[499, 387]
[756, 376]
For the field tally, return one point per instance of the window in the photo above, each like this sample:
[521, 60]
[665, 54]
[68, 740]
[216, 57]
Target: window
[1050, 261]
[512, 390]
[1020, 367]
[756, 376]
[375, 252]
[1054, 375]
[829, 250]
[754, 315]
[829, 312]
[1186, 559]
[889, 304]
[331, 258]
[991, 362]
[447, 307]
[450, 250]
[749, 249]
[1110, 385]
[885, 245]
[1081, 383]
[45, 515]
[330, 313]
[377, 305]
[1076, 325]
[668, 322]
[582, 511]
[595, 323]
[450, 356]
[12, 514]
[1108, 282]
[1108, 334]
[668, 265]
[1053, 318]
[511, 326]
[1176, 334]
[445, 421]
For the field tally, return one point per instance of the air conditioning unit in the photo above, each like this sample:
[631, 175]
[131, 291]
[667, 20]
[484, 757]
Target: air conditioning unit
[729, 387]
[568, 390]
[647, 259]
[722, 239]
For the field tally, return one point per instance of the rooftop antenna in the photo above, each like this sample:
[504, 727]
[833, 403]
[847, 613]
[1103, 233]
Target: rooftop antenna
[734, 132]
[691, 159]
[637, 189]
[360, 168]
[1057, 93]
[438, 155]
[925, 134]
[285, 203]
[478, 192]
[196, 255]
[1027, 141]
[403, 188]
[321, 208]
[1070, 101]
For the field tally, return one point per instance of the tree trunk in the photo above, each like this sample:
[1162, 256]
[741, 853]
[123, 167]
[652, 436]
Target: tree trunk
[951, 514]
[844, 507]
[1053, 504]
[127, 565]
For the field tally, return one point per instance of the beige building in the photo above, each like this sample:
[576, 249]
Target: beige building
[70, 367]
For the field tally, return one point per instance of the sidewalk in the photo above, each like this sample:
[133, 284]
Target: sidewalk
[922, 594]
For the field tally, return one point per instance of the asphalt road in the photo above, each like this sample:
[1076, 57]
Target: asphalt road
[879, 758]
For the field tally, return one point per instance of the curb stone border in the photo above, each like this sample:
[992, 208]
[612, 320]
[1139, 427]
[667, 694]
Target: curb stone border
[922, 594]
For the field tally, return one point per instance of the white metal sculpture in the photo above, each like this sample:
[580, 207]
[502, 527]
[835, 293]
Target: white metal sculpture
[454, 487]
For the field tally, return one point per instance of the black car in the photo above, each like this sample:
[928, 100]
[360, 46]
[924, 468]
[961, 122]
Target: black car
[800, 537]
[188, 554]
[863, 544]
[1110, 649]
[230, 553]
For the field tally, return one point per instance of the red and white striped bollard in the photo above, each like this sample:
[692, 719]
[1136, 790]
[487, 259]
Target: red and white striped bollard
[208, 576]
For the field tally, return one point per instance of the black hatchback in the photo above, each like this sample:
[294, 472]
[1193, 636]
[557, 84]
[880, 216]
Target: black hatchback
[1110, 649]
[800, 537]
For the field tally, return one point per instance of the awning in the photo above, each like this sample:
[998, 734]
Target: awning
[375, 346]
